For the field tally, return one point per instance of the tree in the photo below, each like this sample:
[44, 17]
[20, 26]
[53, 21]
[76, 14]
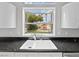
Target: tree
[34, 18]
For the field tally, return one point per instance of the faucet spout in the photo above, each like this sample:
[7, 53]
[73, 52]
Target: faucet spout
[34, 37]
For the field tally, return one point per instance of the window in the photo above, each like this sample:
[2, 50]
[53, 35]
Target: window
[38, 20]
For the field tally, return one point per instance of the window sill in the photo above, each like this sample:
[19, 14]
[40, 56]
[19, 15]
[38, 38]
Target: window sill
[38, 35]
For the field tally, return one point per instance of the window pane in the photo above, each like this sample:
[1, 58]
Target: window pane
[39, 28]
[38, 16]
[42, 11]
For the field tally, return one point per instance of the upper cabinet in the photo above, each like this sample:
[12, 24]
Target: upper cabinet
[7, 15]
[70, 15]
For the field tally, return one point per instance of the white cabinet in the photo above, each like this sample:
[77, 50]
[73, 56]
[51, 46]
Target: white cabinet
[7, 15]
[30, 54]
[70, 15]
[70, 54]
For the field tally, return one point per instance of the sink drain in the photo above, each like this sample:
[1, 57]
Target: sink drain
[29, 47]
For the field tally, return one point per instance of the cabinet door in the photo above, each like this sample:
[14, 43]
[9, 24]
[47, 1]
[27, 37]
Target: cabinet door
[70, 15]
[7, 15]
[39, 54]
[70, 54]
[30, 54]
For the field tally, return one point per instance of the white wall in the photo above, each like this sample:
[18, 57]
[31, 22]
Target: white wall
[58, 30]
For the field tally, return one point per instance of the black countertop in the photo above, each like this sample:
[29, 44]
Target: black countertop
[12, 44]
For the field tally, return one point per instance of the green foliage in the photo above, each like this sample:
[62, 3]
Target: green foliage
[34, 18]
[32, 27]
[39, 18]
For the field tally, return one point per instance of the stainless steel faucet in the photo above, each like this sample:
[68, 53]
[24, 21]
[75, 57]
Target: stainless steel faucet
[34, 37]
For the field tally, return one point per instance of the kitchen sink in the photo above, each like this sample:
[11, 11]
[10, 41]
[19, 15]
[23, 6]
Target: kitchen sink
[38, 45]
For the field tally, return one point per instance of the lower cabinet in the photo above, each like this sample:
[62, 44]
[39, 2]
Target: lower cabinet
[31, 54]
[38, 54]
[70, 54]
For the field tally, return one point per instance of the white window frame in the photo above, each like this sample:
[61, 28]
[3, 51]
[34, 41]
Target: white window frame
[38, 34]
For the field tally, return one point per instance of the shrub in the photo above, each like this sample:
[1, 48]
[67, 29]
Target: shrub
[32, 27]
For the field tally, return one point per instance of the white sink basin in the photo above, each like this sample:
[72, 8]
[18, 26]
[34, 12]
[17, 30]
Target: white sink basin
[38, 45]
